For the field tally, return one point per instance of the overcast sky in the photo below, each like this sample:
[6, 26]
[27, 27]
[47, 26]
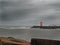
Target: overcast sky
[29, 12]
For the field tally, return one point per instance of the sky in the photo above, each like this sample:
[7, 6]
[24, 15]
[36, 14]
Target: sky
[29, 12]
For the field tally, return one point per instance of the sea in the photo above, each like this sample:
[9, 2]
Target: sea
[29, 33]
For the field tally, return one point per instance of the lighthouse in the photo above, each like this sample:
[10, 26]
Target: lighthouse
[41, 24]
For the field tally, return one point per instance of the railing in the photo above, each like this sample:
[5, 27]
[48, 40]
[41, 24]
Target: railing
[35, 41]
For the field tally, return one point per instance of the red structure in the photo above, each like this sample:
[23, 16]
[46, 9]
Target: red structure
[41, 24]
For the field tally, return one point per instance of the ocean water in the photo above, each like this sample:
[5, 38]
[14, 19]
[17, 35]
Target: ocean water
[27, 34]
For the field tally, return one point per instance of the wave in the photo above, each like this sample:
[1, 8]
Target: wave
[15, 27]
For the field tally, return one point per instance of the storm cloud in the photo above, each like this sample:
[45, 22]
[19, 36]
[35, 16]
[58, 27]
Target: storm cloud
[29, 12]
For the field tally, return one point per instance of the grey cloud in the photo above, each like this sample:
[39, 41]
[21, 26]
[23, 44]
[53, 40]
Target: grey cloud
[28, 12]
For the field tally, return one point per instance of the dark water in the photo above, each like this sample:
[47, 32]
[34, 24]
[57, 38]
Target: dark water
[27, 34]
